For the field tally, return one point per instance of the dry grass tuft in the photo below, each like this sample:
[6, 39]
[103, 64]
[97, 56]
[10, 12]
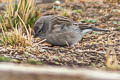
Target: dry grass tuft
[112, 1]
[111, 59]
[16, 38]
[25, 9]
[17, 22]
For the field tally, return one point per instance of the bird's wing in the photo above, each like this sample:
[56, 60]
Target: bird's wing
[59, 20]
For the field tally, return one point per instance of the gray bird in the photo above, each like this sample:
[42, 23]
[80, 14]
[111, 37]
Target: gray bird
[61, 31]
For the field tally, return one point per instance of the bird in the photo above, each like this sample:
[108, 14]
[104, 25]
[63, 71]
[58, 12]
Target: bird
[62, 31]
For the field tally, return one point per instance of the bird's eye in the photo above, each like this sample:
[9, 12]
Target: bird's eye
[39, 31]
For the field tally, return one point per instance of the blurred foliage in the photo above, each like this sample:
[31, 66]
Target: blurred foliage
[89, 21]
[33, 61]
[112, 62]
[5, 59]
[112, 1]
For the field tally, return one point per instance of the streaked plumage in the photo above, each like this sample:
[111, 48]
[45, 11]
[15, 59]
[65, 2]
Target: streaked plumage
[61, 31]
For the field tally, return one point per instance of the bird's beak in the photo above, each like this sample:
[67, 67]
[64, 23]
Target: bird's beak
[35, 36]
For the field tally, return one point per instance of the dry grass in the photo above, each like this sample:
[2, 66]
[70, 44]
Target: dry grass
[68, 1]
[17, 22]
[111, 58]
[16, 38]
[112, 1]
[25, 9]
[66, 12]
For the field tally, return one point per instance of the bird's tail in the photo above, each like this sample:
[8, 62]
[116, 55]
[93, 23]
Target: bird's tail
[99, 29]
[92, 27]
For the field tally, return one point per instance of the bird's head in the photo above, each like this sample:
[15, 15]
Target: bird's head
[37, 29]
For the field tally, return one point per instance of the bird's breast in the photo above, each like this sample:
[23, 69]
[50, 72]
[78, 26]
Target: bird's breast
[63, 38]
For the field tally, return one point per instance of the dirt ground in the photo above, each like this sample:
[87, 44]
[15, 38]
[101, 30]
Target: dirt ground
[91, 52]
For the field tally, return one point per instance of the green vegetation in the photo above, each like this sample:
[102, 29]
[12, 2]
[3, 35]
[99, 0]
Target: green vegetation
[5, 59]
[33, 61]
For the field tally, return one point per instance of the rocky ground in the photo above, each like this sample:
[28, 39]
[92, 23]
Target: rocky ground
[94, 51]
